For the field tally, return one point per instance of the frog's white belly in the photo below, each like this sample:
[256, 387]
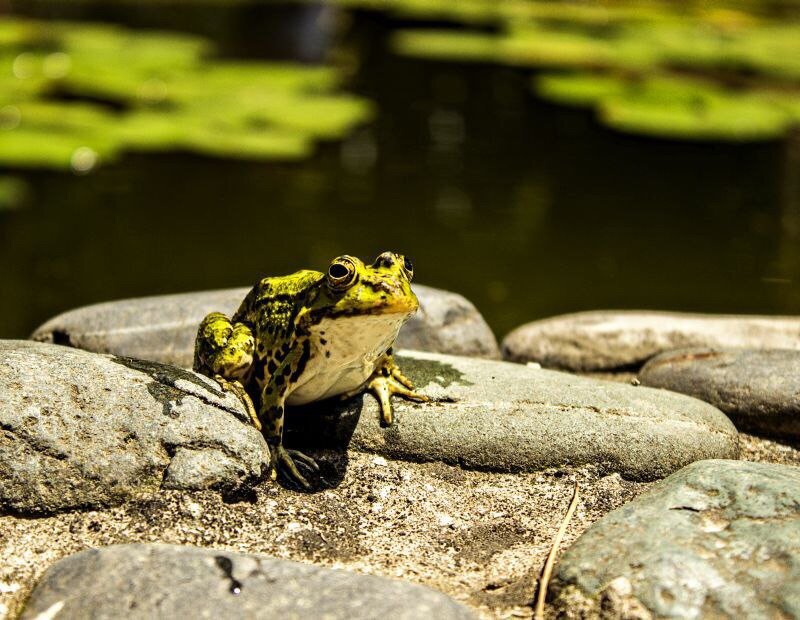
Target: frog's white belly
[353, 346]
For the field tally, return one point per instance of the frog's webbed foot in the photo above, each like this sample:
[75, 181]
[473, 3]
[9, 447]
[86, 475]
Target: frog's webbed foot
[391, 381]
[238, 390]
[284, 460]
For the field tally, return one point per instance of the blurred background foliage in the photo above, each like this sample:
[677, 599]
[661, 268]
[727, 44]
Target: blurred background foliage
[539, 157]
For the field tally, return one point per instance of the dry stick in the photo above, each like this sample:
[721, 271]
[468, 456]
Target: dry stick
[547, 570]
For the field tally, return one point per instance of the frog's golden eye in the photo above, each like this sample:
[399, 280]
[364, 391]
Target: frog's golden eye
[408, 265]
[341, 273]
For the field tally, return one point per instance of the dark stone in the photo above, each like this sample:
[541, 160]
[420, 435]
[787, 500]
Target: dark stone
[758, 389]
[718, 539]
[165, 581]
[507, 417]
[81, 430]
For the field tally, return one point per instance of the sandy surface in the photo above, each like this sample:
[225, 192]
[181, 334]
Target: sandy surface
[480, 537]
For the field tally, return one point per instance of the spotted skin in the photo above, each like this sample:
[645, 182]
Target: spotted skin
[310, 335]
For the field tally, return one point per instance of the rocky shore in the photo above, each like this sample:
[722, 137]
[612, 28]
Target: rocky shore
[152, 493]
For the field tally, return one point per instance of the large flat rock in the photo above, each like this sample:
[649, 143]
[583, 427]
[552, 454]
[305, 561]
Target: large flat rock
[624, 340]
[167, 581]
[79, 429]
[758, 389]
[508, 417]
[163, 328]
[719, 539]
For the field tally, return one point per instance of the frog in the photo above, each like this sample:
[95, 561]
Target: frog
[310, 336]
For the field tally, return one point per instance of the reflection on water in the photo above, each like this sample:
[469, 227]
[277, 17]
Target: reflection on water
[527, 209]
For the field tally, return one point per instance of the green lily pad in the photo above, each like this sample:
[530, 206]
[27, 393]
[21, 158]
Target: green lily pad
[447, 45]
[671, 109]
[153, 92]
[578, 89]
[150, 131]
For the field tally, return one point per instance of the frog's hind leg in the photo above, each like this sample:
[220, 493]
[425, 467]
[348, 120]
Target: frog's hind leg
[224, 352]
[387, 380]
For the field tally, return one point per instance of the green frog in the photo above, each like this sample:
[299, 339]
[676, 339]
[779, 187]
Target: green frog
[309, 336]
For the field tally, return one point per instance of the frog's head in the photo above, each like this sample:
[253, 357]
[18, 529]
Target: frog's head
[352, 288]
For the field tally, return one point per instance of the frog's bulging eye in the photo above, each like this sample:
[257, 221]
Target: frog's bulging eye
[408, 265]
[341, 273]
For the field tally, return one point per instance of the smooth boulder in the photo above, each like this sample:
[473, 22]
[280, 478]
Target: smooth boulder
[84, 430]
[507, 417]
[163, 328]
[758, 389]
[719, 539]
[167, 581]
[618, 340]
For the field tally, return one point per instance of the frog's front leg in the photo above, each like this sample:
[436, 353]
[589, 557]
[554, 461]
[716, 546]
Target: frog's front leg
[271, 412]
[224, 352]
[387, 380]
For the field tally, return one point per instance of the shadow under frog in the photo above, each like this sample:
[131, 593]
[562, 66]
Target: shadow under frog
[326, 427]
[330, 424]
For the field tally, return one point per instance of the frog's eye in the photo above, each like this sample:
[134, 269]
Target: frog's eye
[341, 273]
[408, 265]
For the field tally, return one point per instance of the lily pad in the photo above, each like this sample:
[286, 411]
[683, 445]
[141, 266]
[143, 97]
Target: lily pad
[151, 91]
[676, 108]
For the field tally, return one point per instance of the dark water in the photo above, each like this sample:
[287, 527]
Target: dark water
[527, 209]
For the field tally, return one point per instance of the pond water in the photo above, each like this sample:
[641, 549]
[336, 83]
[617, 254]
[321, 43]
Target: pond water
[526, 208]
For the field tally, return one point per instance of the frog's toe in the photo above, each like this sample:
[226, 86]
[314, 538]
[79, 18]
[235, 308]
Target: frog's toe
[379, 386]
[283, 460]
[396, 387]
[238, 389]
[304, 459]
[400, 377]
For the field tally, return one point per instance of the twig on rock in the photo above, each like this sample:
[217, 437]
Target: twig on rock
[547, 569]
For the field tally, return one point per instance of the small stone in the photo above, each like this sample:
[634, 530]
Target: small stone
[758, 389]
[524, 420]
[718, 539]
[85, 430]
[168, 581]
[616, 341]
[163, 328]
[379, 461]
[446, 521]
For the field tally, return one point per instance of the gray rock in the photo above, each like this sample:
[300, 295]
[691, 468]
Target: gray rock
[508, 417]
[448, 323]
[163, 328]
[79, 429]
[624, 340]
[758, 389]
[719, 539]
[165, 581]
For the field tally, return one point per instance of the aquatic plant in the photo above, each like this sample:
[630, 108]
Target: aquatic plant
[75, 95]
[685, 72]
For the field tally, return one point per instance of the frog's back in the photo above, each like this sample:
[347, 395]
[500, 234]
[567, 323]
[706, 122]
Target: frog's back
[278, 292]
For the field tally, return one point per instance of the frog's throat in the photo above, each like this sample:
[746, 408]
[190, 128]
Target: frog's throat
[344, 353]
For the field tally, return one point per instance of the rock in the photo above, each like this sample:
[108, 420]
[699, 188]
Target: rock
[163, 328]
[448, 323]
[82, 430]
[624, 340]
[758, 389]
[167, 581]
[508, 417]
[719, 539]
